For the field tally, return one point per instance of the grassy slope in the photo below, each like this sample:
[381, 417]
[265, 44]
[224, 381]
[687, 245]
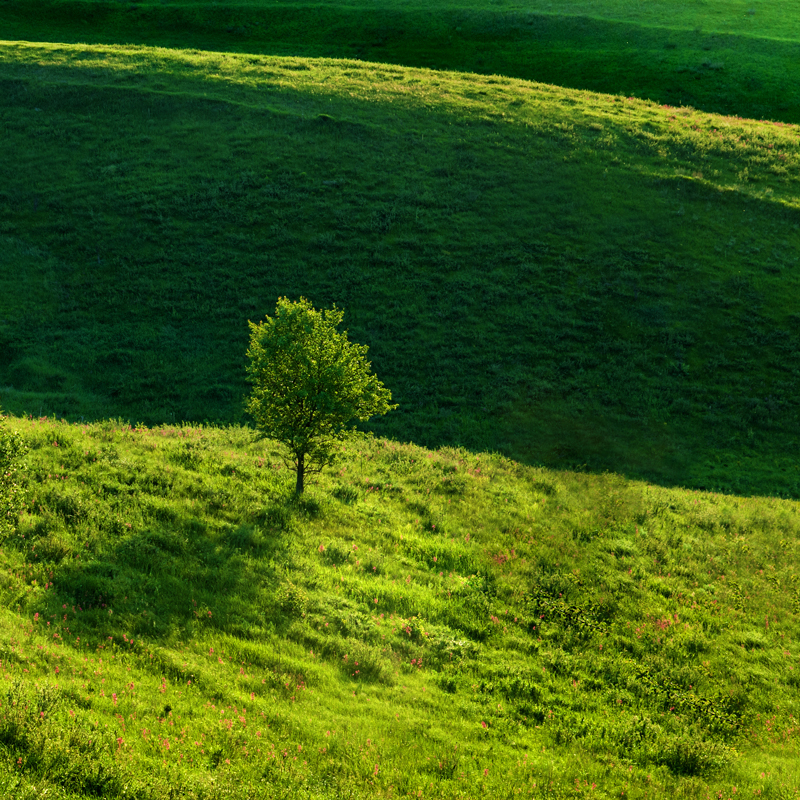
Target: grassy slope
[590, 279]
[172, 622]
[587, 278]
[725, 57]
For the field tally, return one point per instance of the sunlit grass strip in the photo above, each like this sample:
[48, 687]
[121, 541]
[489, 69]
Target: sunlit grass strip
[735, 150]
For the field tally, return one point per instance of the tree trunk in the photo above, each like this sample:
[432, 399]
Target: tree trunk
[301, 468]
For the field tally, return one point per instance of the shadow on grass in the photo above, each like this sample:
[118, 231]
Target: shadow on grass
[163, 581]
[670, 363]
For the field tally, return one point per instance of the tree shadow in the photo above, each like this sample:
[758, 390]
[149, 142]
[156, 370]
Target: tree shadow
[166, 580]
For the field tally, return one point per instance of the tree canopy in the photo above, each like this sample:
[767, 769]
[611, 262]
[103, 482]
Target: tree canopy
[310, 383]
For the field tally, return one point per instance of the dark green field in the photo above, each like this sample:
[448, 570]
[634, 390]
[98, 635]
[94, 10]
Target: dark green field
[725, 57]
[568, 278]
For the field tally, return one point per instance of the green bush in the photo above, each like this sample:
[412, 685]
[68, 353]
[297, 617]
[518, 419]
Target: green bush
[292, 599]
[12, 449]
[689, 755]
[363, 662]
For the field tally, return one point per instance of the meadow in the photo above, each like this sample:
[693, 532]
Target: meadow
[723, 56]
[595, 281]
[419, 624]
[567, 565]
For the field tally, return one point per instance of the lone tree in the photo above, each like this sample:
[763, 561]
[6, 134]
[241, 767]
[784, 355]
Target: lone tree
[309, 383]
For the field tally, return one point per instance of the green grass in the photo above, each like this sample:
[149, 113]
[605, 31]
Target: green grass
[565, 277]
[175, 624]
[720, 56]
[600, 287]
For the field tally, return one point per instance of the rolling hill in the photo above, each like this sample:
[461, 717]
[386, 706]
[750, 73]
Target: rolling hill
[592, 280]
[569, 234]
[722, 56]
[443, 623]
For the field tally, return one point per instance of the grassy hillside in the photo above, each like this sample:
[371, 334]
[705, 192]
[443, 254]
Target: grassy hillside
[601, 287]
[721, 56]
[568, 278]
[422, 623]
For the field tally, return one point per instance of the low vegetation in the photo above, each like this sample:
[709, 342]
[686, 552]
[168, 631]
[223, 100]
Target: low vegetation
[419, 623]
[581, 296]
[591, 280]
[723, 57]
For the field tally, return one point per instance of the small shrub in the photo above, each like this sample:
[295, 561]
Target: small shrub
[53, 549]
[12, 449]
[292, 599]
[354, 624]
[337, 552]
[687, 755]
[345, 494]
[69, 505]
[364, 663]
[445, 648]
[544, 487]
[189, 455]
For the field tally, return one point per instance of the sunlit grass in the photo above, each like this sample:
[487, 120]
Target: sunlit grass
[720, 56]
[445, 622]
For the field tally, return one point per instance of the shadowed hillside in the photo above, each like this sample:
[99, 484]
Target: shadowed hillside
[568, 278]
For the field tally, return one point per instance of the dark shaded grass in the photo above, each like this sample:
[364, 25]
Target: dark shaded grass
[628, 321]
